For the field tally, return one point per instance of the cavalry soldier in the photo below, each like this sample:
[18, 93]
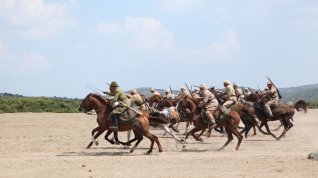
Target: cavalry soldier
[168, 94]
[119, 96]
[272, 94]
[183, 93]
[154, 92]
[238, 93]
[195, 94]
[229, 96]
[136, 99]
[208, 104]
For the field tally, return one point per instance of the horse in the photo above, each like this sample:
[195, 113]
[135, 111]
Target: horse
[282, 112]
[230, 123]
[103, 109]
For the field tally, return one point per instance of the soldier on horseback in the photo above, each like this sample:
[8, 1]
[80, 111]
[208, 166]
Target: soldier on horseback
[183, 93]
[154, 92]
[119, 103]
[238, 93]
[208, 104]
[168, 94]
[229, 97]
[272, 95]
[136, 99]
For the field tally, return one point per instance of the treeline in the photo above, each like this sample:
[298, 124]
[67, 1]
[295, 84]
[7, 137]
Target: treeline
[12, 104]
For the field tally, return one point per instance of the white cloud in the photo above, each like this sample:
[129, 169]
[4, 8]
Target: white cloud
[144, 33]
[21, 63]
[222, 49]
[32, 62]
[35, 18]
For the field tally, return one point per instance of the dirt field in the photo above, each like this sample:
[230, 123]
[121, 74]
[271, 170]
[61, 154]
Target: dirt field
[52, 145]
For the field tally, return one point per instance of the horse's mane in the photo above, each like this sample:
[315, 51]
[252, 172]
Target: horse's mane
[100, 98]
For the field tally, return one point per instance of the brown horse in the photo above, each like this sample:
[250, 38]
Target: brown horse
[103, 110]
[160, 102]
[282, 112]
[230, 124]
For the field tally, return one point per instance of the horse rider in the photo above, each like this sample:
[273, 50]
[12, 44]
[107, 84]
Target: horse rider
[136, 99]
[229, 97]
[119, 108]
[183, 93]
[168, 94]
[195, 94]
[154, 92]
[238, 93]
[272, 94]
[208, 104]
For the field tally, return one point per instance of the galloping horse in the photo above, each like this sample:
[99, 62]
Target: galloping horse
[283, 112]
[103, 109]
[230, 124]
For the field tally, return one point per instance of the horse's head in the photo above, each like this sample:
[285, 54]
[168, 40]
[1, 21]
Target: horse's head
[155, 99]
[301, 105]
[86, 104]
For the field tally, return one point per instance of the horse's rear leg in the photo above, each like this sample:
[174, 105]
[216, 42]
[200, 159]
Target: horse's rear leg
[229, 138]
[239, 137]
[106, 137]
[153, 139]
[287, 125]
[166, 129]
[192, 132]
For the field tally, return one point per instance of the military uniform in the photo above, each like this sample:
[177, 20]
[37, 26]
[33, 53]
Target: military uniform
[230, 96]
[239, 94]
[154, 92]
[119, 96]
[246, 92]
[209, 103]
[168, 94]
[272, 93]
[183, 93]
[136, 99]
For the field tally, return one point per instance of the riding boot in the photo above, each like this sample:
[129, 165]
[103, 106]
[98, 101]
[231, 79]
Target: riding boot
[115, 118]
[268, 111]
[209, 115]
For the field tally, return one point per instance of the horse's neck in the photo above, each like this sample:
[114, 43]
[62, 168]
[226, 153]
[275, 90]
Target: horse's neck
[191, 105]
[98, 106]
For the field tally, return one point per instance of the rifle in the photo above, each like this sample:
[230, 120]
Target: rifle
[189, 90]
[170, 89]
[260, 91]
[91, 86]
[280, 96]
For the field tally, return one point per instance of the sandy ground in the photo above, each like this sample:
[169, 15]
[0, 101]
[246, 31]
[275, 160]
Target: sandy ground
[52, 145]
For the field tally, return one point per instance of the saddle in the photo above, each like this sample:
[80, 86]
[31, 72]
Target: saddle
[217, 114]
[129, 117]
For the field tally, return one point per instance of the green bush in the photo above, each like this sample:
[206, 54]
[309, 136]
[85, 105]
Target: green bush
[12, 104]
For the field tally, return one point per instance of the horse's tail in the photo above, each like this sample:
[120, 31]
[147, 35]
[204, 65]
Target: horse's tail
[301, 105]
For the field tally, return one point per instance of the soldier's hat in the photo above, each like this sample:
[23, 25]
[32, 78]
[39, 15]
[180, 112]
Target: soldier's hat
[203, 86]
[183, 88]
[114, 84]
[269, 83]
[227, 82]
[167, 91]
[133, 91]
[152, 90]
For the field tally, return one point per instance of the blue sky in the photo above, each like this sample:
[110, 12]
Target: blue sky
[55, 47]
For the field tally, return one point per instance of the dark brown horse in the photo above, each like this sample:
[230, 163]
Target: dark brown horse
[282, 112]
[103, 109]
[230, 123]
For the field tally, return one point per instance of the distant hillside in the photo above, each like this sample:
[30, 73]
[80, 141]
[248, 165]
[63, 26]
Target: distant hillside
[306, 92]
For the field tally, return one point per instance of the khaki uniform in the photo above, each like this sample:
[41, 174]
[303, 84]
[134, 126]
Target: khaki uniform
[119, 95]
[246, 92]
[169, 95]
[136, 100]
[209, 103]
[274, 99]
[239, 95]
[230, 96]
[183, 94]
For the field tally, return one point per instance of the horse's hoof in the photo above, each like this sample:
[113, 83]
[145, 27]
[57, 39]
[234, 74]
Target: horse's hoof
[183, 146]
[96, 143]
[148, 153]
[88, 147]
[131, 151]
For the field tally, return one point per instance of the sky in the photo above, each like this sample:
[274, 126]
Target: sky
[56, 47]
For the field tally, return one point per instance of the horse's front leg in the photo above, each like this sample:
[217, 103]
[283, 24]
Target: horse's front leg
[99, 131]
